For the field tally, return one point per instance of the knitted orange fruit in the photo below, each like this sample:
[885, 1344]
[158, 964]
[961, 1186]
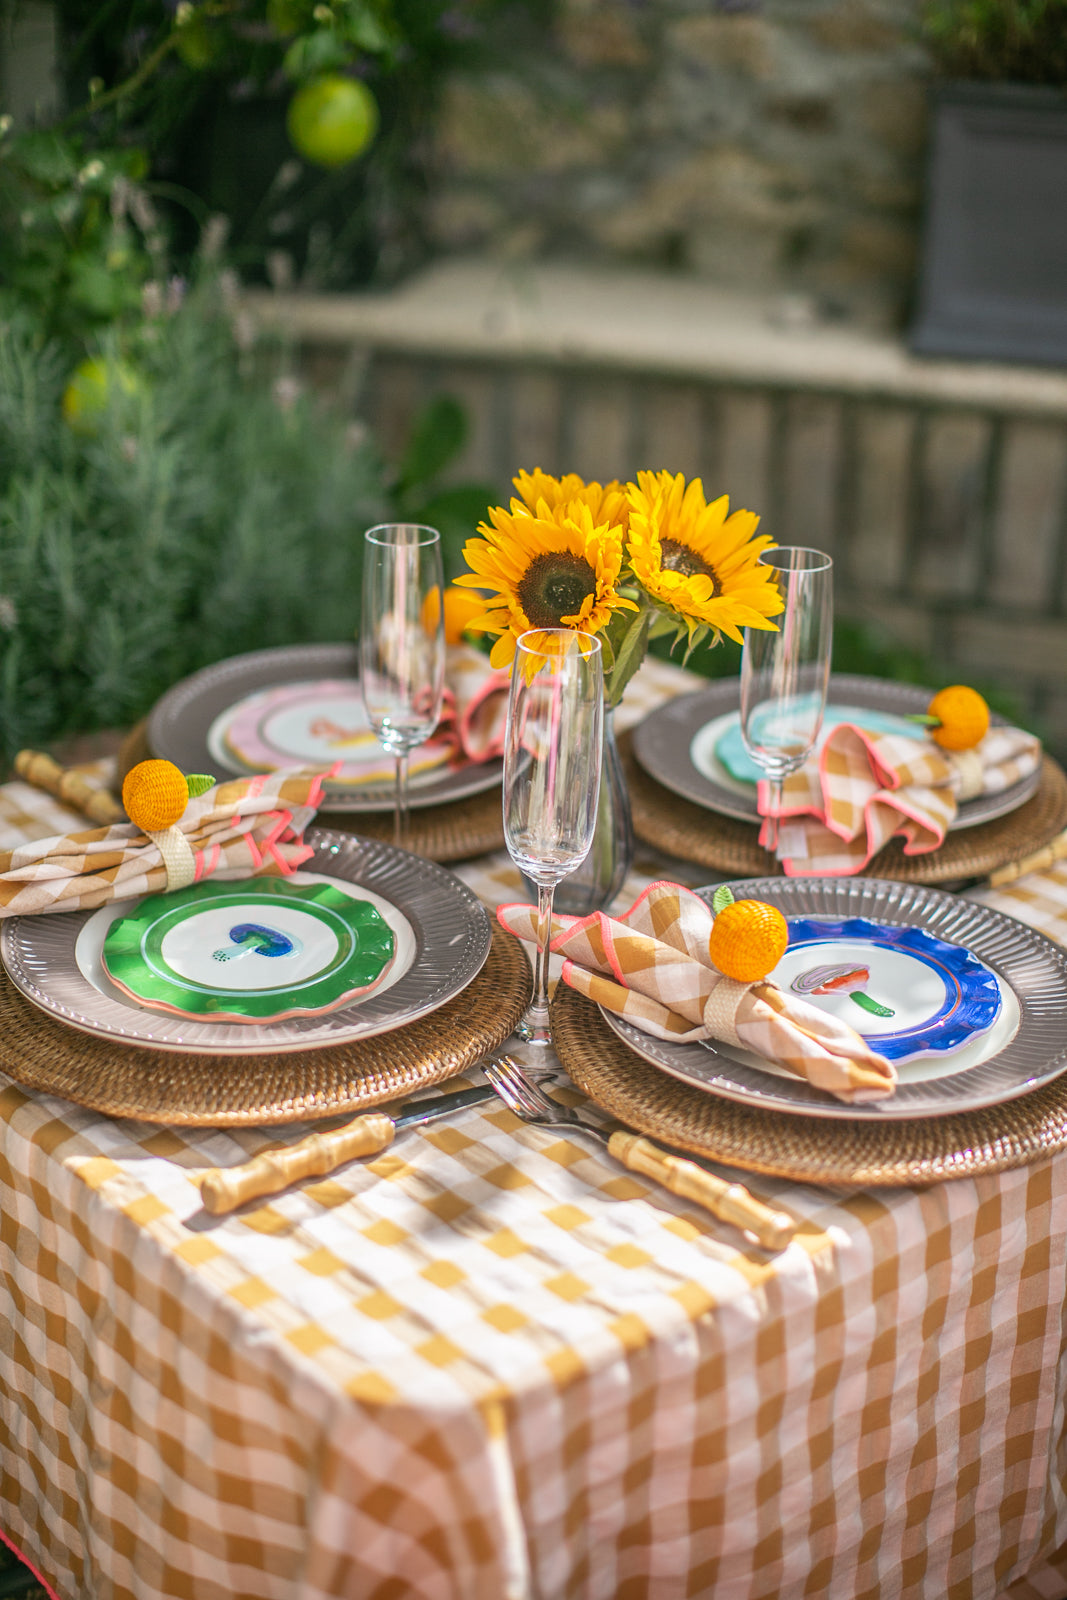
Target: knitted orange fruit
[748, 939]
[461, 607]
[155, 795]
[962, 718]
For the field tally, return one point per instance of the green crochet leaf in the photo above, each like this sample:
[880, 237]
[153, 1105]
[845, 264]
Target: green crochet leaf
[723, 896]
[198, 783]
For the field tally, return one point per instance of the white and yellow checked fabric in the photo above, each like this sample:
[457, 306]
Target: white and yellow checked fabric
[864, 789]
[1039, 899]
[491, 1365]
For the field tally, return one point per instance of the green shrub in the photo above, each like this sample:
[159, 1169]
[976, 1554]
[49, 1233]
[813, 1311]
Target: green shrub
[1018, 41]
[202, 514]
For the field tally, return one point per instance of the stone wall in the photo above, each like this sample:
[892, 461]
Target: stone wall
[770, 145]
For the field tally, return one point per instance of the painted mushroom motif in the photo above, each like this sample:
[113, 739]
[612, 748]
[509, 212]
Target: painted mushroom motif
[838, 979]
[254, 938]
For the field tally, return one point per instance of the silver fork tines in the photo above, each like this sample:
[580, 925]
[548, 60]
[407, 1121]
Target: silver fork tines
[528, 1101]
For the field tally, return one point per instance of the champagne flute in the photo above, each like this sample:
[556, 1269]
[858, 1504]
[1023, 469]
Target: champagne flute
[402, 643]
[785, 674]
[552, 752]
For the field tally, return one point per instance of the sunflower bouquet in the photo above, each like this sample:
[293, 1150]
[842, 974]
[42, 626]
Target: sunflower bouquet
[629, 562]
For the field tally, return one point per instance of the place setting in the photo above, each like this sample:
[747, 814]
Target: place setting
[317, 705]
[217, 958]
[924, 815]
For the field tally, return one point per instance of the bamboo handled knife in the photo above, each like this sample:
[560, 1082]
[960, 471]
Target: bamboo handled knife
[222, 1189]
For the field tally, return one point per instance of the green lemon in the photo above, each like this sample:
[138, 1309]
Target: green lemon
[332, 120]
[93, 384]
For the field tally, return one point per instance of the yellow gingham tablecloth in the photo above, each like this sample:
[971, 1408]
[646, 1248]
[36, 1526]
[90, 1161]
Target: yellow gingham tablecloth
[491, 1365]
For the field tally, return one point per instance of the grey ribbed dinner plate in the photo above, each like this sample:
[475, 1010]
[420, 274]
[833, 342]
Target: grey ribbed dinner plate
[661, 743]
[443, 941]
[181, 721]
[1029, 965]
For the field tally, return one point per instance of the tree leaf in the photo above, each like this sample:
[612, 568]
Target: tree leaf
[47, 157]
[321, 51]
[439, 434]
[363, 28]
[457, 510]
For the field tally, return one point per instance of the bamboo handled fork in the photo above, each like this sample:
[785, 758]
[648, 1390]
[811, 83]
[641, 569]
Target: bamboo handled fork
[730, 1202]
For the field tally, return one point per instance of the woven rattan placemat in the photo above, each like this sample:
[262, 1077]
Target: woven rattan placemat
[225, 1091]
[837, 1152]
[693, 833]
[454, 832]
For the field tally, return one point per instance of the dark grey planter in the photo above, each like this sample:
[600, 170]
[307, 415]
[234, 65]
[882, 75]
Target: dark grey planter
[993, 281]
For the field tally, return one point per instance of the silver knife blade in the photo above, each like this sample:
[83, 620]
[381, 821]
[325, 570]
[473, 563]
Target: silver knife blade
[415, 1111]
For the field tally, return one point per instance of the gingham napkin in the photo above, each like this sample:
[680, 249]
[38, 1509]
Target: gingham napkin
[651, 966]
[471, 730]
[865, 788]
[248, 827]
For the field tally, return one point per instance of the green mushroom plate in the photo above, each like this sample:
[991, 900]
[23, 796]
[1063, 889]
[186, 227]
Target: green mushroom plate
[257, 951]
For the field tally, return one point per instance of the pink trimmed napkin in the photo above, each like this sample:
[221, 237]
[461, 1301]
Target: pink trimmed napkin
[864, 789]
[476, 700]
[245, 828]
[651, 966]
[325, 724]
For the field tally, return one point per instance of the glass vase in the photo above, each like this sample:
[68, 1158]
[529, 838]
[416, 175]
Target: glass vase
[594, 885]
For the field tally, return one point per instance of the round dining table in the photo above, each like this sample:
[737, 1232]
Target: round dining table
[491, 1364]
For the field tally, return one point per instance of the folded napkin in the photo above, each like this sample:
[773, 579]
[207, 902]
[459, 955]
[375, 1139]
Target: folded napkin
[476, 703]
[248, 827]
[864, 789]
[651, 966]
[471, 729]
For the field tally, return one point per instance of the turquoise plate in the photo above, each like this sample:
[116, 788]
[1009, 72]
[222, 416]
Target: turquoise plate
[256, 951]
[730, 746]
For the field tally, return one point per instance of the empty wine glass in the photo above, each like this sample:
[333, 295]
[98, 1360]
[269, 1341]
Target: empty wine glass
[785, 674]
[552, 751]
[402, 643]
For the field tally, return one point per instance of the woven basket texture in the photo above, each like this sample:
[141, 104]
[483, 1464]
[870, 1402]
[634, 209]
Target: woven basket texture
[840, 1153]
[226, 1091]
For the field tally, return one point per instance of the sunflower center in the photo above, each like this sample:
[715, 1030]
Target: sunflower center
[554, 586]
[678, 557]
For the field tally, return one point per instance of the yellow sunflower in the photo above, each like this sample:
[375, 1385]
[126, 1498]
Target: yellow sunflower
[607, 502]
[556, 569]
[695, 561]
